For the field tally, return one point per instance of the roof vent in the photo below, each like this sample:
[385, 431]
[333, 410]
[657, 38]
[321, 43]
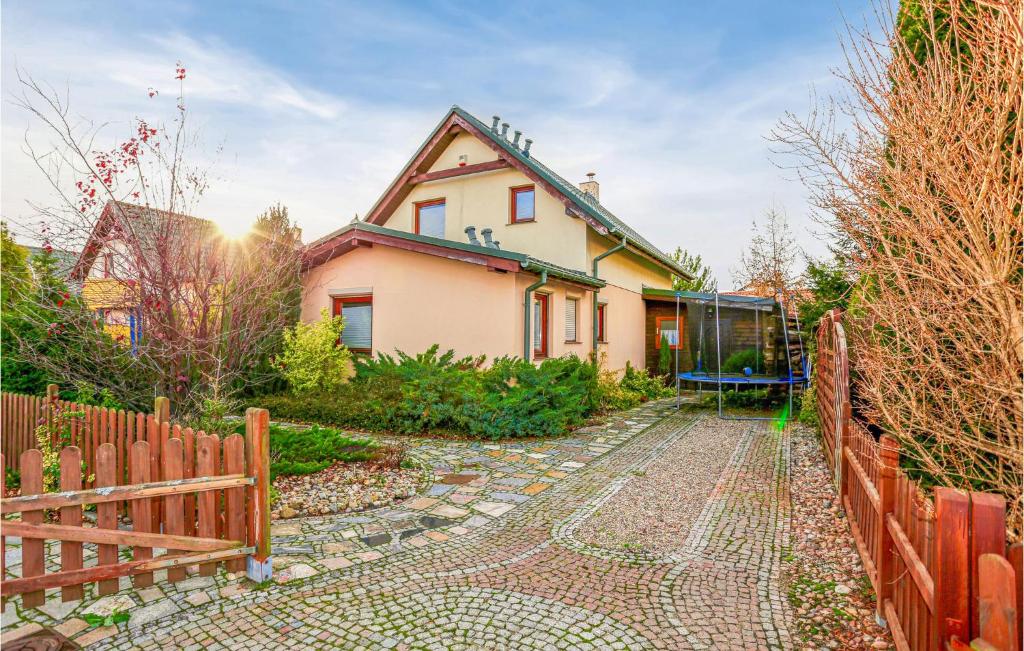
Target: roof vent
[494, 124]
[526, 149]
[515, 140]
[488, 242]
[504, 130]
[591, 187]
[471, 234]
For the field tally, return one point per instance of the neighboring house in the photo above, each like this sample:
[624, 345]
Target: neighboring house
[106, 271]
[479, 247]
[65, 260]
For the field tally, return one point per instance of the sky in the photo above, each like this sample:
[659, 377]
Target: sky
[318, 105]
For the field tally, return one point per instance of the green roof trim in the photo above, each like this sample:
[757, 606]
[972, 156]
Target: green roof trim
[584, 201]
[528, 263]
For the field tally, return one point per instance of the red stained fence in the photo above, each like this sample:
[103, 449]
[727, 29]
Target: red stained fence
[941, 568]
[203, 499]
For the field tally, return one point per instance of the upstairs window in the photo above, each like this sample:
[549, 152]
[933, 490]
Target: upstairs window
[358, 314]
[430, 218]
[523, 206]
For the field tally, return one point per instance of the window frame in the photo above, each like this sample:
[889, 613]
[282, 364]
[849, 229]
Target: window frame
[338, 309]
[418, 205]
[576, 319]
[513, 197]
[658, 320]
[544, 349]
[602, 323]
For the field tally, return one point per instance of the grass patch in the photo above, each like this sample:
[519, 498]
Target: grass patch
[295, 451]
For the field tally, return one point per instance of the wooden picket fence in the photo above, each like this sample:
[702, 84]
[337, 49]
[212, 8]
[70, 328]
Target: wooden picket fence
[941, 568]
[203, 499]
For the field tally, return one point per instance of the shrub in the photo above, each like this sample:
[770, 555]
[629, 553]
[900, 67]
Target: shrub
[311, 359]
[664, 357]
[649, 387]
[295, 451]
[748, 357]
[437, 392]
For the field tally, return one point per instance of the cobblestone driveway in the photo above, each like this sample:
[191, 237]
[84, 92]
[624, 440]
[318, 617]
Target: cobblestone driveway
[488, 559]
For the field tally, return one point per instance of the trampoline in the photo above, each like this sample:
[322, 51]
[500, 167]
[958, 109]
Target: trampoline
[743, 342]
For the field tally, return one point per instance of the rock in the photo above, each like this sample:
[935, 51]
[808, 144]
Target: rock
[843, 589]
[880, 644]
[288, 512]
[109, 605]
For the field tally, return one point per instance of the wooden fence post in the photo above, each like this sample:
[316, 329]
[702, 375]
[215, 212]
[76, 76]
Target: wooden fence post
[952, 566]
[997, 603]
[888, 462]
[257, 462]
[842, 442]
[988, 536]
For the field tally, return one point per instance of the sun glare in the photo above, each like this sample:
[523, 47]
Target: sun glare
[234, 228]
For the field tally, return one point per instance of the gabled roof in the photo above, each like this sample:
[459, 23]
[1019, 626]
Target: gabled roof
[144, 222]
[577, 202]
[360, 233]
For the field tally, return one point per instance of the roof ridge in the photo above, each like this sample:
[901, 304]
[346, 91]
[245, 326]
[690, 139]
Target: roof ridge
[594, 207]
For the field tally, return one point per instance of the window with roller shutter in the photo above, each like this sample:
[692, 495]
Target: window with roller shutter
[358, 314]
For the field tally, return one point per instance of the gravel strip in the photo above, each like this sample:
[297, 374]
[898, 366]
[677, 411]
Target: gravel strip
[825, 582]
[654, 511]
[343, 487]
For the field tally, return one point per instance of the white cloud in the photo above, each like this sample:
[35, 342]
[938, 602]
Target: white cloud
[684, 163]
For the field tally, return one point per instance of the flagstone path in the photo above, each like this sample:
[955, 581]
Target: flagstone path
[488, 558]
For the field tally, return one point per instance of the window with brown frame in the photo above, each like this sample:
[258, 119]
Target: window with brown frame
[429, 218]
[540, 325]
[358, 314]
[670, 329]
[602, 322]
[522, 204]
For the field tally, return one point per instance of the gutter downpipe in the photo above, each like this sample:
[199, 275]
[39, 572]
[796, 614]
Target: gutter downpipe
[593, 330]
[527, 305]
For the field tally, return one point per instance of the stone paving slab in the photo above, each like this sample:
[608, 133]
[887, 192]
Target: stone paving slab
[508, 574]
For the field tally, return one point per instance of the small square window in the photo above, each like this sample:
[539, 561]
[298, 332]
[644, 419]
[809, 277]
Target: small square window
[523, 208]
[430, 218]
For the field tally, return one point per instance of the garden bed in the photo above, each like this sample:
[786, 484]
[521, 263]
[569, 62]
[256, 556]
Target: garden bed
[343, 487]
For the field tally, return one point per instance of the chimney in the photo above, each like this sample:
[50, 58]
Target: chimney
[487, 239]
[515, 140]
[591, 186]
[471, 234]
[526, 149]
[504, 130]
[494, 125]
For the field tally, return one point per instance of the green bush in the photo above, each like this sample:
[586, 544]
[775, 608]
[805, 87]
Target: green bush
[311, 359]
[295, 451]
[649, 387]
[749, 357]
[437, 392]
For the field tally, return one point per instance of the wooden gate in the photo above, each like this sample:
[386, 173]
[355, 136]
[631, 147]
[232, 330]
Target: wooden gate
[203, 499]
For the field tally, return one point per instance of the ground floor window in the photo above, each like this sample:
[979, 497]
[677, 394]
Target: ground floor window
[358, 314]
[602, 322]
[668, 328]
[571, 305]
[540, 325]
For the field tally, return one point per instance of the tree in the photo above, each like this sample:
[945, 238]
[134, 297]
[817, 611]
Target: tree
[703, 278]
[208, 310]
[14, 272]
[766, 268]
[829, 285]
[925, 184]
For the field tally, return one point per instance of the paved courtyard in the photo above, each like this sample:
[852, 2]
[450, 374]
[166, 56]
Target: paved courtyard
[489, 557]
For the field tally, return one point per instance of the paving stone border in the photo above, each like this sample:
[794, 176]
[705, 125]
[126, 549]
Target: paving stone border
[486, 557]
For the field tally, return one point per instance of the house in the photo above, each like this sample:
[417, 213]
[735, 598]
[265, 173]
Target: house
[127, 241]
[479, 247]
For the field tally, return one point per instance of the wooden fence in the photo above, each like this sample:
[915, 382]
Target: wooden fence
[203, 499]
[941, 569]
